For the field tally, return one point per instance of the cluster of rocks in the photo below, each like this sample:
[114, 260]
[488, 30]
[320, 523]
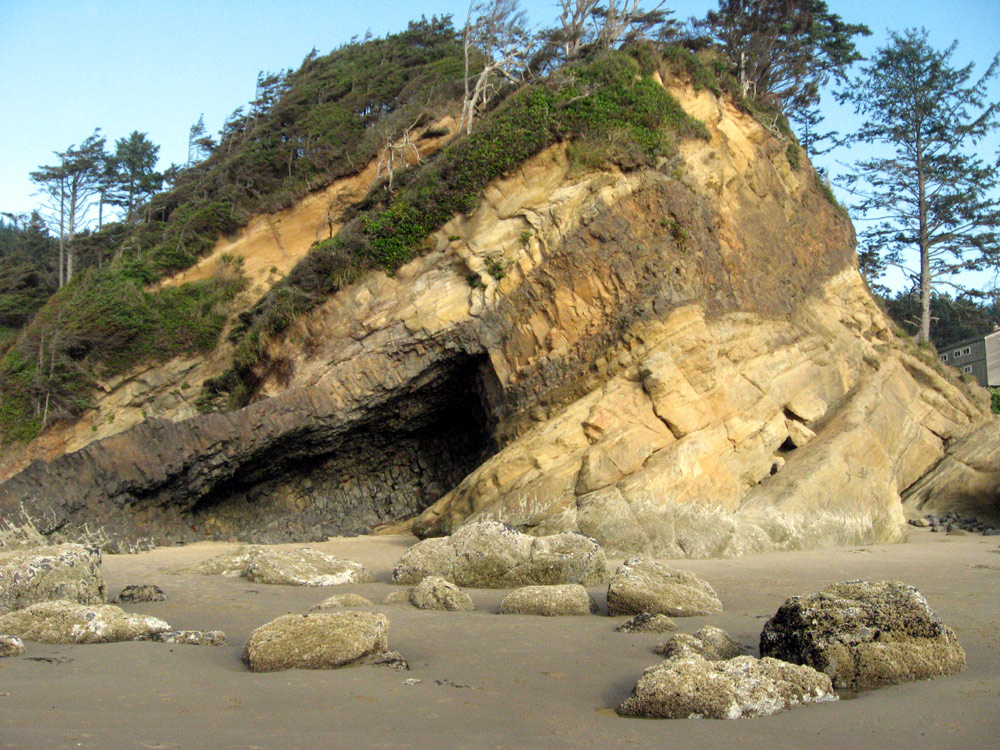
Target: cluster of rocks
[854, 635]
[58, 595]
[953, 523]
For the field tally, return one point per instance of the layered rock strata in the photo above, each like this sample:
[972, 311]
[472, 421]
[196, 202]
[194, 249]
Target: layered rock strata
[682, 361]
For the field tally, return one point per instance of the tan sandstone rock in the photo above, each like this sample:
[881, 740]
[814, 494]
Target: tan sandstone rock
[434, 592]
[299, 567]
[645, 585]
[315, 641]
[549, 601]
[71, 572]
[493, 555]
[67, 622]
[694, 688]
[710, 643]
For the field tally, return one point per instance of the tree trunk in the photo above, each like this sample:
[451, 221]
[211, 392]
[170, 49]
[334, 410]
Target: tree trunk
[925, 253]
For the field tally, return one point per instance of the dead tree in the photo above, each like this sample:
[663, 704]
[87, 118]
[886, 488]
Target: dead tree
[497, 37]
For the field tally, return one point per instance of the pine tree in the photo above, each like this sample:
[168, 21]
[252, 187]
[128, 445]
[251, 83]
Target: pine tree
[933, 196]
[71, 186]
[785, 49]
[135, 172]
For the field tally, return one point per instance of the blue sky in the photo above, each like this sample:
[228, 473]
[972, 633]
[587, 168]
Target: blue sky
[69, 66]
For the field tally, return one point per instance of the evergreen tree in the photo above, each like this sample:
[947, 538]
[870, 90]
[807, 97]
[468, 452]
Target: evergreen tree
[933, 196]
[786, 49]
[135, 174]
[71, 186]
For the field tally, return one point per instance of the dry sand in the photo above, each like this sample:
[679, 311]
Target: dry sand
[488, 680]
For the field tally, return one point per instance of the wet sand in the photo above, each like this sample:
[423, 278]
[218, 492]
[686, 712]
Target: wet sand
[485, 680]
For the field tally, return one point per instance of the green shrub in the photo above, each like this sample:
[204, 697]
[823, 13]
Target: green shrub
[794, 153]
[103, 324]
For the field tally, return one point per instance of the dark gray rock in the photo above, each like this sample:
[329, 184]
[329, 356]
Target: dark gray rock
[646, 622]
[864, 634]
[144, 592]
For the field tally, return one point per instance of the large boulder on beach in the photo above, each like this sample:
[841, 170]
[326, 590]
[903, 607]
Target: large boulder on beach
[71, 572]
[646, 585]
[711, 643]
[291, 567]
[696, 688]
[316, 641]
[435, 592]
[67, 622]
[493, 555]
[549, 601]
[864, 634]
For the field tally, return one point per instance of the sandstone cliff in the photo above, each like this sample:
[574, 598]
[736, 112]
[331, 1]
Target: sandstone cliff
[682, 361]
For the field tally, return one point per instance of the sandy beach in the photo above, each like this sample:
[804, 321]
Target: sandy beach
[481, 680]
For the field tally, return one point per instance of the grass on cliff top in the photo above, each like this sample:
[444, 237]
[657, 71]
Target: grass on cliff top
[609, 105]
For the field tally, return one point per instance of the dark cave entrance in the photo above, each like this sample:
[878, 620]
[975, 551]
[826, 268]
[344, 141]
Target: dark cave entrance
[390, 465]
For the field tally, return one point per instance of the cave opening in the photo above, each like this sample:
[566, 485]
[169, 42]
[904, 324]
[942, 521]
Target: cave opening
[408, 451]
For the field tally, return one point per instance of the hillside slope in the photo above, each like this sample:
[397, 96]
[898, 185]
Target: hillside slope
[680, 360]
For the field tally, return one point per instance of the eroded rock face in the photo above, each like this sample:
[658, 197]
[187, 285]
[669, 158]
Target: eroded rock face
[71, 572]
[646, 585]
[967, 481]
[710, 643]
[300, 567]
[493, 555]
[695, 688]
[316, 641]
[67, 622]
[434, 592]
[864, 634]
[549, 601]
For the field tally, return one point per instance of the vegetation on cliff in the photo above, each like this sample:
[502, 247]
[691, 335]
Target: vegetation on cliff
[326, 120]
[608, 106]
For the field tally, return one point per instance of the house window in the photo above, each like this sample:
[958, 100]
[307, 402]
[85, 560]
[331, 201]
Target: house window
[967, 368]
[956, 353]
[944, 357]
[967, 350]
